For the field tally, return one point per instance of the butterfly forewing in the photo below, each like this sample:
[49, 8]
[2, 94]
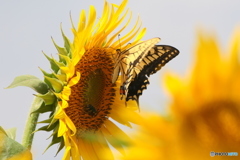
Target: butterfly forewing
[138, 52]
[129, 58]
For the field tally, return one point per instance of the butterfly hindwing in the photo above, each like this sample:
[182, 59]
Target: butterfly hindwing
[156, 58]
[136, 87]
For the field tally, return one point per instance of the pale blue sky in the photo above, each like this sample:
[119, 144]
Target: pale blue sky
[26, 28]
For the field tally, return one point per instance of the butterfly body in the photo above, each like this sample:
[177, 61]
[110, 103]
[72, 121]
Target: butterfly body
[122, 90]
[137, 63]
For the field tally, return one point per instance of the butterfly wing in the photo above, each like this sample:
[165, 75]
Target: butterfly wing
[155, 59]
[129, 58]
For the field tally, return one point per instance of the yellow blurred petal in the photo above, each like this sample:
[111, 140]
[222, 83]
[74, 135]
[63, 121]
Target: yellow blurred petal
[87, 152]
[172, 83]
[235, 49]
[115, 131]
[26, 155]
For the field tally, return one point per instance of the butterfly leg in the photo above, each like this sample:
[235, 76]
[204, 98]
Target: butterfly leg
[122, 91]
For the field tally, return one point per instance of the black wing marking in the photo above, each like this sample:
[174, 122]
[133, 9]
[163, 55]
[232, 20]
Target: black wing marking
[156, 58]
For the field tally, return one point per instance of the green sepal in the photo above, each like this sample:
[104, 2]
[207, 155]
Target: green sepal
[54, 65]
[44, 108]
[67, 44]
[48, 98]
[56, 140]
[44, 128]
[50, 121]
[51, 75]
[46, 121]
[55, 132]
[61, 77]
[60, 50]
[53, 120]
[10, 148]
[60, 64]
[56, 84]
[30, 81]
[62, 144]
[47, 127]
[52, 113]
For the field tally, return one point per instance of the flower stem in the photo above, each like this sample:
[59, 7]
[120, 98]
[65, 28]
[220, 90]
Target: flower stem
[31, 123]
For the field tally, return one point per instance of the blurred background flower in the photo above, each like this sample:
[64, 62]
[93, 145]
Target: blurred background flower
[204, 112]
[11, 149]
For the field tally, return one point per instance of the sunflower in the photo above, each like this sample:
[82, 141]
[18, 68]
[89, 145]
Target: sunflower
[83, 101]
[205, 109]
[207, 104]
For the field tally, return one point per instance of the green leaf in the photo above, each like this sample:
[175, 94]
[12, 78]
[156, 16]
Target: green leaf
[31, 82]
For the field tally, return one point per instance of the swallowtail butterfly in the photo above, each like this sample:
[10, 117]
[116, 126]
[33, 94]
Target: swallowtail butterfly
[137, 63]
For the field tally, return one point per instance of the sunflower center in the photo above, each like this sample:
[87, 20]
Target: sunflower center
[91, 99]
[94, 91]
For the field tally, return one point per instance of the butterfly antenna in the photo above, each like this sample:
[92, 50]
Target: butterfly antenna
[119, 41]
[118, 50]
